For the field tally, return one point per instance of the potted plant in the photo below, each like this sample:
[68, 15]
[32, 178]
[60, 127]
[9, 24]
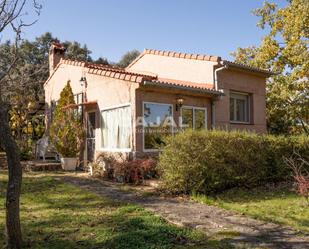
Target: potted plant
[66, 131]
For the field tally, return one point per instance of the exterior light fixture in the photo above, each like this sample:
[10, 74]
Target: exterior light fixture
[83, 81]
[179, 103]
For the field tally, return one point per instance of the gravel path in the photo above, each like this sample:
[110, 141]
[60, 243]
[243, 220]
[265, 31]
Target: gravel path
[208, 219]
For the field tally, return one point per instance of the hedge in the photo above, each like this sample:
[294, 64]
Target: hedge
[213, 161]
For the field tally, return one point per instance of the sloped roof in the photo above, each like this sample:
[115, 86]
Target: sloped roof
[105, 70]
[123, 74]
[246, 67]
[189, 86]
[199, 57]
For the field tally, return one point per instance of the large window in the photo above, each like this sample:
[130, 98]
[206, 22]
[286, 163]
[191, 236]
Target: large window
[193, 117]
[158, 122]
[239, 107]
[116, 128]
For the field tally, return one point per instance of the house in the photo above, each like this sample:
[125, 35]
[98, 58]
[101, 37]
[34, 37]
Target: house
[129, 110]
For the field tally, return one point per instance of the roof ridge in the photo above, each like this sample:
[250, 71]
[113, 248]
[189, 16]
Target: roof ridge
[183, 55]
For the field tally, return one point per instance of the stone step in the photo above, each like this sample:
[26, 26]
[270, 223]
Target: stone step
[41, 166]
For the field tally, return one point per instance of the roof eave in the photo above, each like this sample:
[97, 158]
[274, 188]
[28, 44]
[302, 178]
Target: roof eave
[263, 72]
[184, 88]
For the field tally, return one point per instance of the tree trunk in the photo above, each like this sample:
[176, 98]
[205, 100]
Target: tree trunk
[13, 229]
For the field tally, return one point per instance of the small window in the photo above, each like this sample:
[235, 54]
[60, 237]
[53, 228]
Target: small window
[157, 124]
[239, 107]
[193, 117]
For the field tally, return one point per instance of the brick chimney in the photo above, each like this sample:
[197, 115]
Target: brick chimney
[56, 52]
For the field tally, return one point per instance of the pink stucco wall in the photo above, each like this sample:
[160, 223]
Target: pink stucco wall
[108, 92]
[198, 71]
[233, 80]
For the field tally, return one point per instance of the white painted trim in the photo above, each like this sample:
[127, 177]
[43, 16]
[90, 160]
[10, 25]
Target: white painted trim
[193, 110]
[154, 103]
[114, 150]
[115, 107]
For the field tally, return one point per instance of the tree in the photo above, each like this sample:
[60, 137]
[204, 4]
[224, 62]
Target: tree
[127, 58]
[102, 61]
[285, 50]
[66, 130]
[31, 69]
[11, 13]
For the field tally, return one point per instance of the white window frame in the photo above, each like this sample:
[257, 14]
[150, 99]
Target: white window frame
[247, 112]
[154, 103]
[193, 113]
[100, 122]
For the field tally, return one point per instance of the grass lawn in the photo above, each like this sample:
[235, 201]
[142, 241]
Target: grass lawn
[57, 215]
[277, 205]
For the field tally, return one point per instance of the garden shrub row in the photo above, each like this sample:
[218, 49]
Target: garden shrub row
[213, 161]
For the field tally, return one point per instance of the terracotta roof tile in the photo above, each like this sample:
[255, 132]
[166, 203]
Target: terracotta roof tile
[246, 67]
[181, 55]
[190, 86]
[187, 83]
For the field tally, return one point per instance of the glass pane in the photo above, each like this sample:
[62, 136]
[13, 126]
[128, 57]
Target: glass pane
[232, 108]
[200, 117]
[240, 110]
[158, 123]
[187, 117]
[91, 125]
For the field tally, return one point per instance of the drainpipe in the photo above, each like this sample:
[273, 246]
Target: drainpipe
[216, 75]
[213, 105]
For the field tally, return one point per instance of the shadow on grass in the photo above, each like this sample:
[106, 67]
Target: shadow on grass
[58, 215]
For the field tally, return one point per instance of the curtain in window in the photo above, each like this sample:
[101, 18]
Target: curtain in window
[116, 128]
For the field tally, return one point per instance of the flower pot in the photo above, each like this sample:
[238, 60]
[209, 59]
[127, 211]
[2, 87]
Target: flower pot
[68, 164]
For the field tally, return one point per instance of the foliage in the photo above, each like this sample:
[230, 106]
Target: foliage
[66, 131]
[300, 175]
[25, 149]
[135, 171]
[127, 58]
[213, 161]
[76, 218]
[285, 51]
[271, 203]
[25, 87]
[117, 167]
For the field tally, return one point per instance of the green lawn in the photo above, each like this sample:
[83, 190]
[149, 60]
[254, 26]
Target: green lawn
[279, 205]
[58, 215]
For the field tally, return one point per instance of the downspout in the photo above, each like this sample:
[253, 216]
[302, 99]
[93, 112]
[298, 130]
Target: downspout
[216, 75]
[213, 105]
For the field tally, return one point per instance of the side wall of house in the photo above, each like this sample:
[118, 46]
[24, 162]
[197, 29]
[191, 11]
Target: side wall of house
[240, 81]
[110, 93]
[57, 82]
[198, 71]
[107, 92]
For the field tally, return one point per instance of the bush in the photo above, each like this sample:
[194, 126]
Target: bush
[117, 167]
[135, 171]
[213, 161]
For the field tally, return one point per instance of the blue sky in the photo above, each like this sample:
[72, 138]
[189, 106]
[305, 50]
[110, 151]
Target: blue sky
[112, 27]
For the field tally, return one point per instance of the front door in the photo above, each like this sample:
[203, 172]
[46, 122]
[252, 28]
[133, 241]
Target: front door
[90, 140]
